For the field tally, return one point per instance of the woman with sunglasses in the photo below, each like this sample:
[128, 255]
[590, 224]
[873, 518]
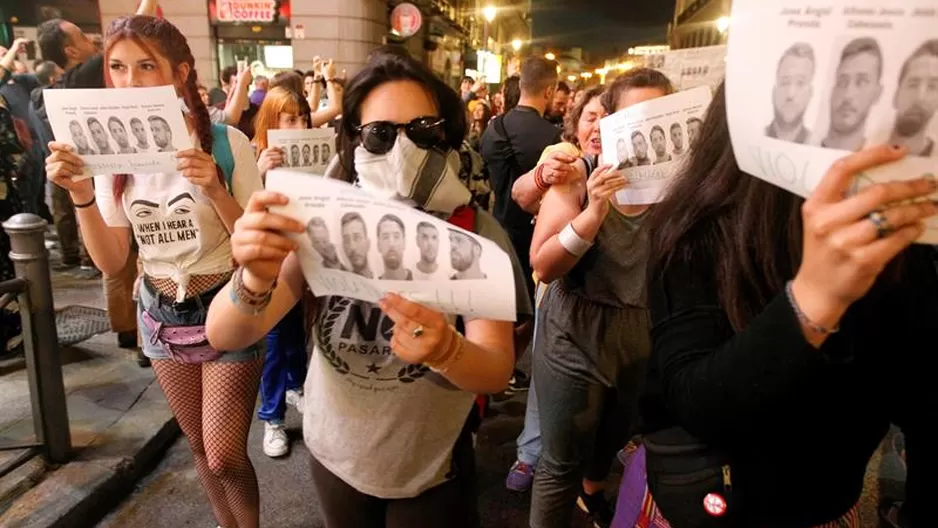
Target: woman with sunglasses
[211, 391]
[390, 386]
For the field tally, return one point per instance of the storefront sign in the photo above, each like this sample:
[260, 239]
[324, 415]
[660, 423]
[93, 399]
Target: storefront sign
[249, 11]
[406, 20]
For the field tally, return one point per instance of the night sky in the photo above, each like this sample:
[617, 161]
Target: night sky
[601, 26]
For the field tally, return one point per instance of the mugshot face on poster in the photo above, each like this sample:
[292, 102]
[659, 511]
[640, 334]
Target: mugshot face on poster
[842, 77]
[305, 150]
[649, 142]
[361, 247]
[126, 130]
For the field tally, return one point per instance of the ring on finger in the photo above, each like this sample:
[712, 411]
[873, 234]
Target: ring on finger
[883, 227]
[417, 331]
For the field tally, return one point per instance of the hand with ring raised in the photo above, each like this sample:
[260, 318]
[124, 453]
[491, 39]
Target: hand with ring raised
[421, 335]
[849, 240]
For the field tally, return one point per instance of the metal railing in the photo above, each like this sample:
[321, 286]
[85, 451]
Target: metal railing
[32, 289]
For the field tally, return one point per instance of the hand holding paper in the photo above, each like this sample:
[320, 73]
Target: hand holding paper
[199, 168]
[846, 246]
[605, 182]
[270, 158]
[416, 347]
[63, 166]
[259, 243]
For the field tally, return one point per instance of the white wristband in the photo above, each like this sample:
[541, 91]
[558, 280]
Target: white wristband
[572, 242]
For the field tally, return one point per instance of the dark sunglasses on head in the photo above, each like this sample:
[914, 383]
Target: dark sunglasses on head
[378, 137]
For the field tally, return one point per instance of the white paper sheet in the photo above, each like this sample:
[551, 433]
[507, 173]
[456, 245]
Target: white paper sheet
[650, 141]
[306, 150]
[343, 253]
[691, 67]
[120, 130]
[809, 83]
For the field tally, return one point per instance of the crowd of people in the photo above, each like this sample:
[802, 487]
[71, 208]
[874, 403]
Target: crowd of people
[699, 341]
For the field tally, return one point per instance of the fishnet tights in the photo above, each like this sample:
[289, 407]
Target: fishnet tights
[214, 405]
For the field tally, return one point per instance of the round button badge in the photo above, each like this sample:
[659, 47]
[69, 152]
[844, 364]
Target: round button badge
[714, 504]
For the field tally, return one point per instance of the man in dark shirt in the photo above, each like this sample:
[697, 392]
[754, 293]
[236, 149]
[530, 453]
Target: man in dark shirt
[511, 147]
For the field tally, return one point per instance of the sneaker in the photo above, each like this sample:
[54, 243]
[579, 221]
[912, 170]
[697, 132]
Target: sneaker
[295, 398]
[520, 382]
[596, 507]
[520, 477]
[276, 443]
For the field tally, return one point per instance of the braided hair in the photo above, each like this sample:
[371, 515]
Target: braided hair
[160, 38]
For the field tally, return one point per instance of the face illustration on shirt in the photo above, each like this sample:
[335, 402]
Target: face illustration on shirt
[169, 225]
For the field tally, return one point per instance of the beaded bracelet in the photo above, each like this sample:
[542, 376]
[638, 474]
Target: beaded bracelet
[823, 330]
[247, 300]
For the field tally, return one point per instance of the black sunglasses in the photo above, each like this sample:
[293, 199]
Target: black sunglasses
[378, 137]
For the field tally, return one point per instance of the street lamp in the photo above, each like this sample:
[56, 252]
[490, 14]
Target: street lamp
[489, 13]
[550, 56]
[516, 44]
[723, 24]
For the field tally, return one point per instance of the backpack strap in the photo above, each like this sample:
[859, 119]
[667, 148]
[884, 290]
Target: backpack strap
[221, 151]
[511, 155]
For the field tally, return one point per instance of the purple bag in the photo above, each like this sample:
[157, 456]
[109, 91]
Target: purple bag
[183, 344]
[631, 490]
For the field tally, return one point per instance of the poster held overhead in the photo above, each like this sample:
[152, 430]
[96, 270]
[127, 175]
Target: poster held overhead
[806, 86]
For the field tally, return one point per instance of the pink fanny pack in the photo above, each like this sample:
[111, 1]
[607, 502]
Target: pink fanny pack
[183, 344]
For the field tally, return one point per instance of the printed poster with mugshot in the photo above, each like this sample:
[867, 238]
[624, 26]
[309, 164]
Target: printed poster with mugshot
[307, 150]
[650, 141]
[120, 130]
[810, 83]
[362, 247]
[691, 67]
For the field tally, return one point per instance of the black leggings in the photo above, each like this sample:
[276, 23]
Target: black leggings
[450, 505]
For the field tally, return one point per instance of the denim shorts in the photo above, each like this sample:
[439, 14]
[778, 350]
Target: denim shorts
[166, 313]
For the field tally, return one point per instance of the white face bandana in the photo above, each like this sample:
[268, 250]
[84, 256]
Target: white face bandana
[428, 179]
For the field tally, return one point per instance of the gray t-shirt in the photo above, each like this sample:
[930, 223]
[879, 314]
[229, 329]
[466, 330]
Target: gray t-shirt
[383, 426]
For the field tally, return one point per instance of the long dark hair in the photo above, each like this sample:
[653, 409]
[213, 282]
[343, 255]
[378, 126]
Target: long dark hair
[387, 64]
[747, 231]
[159, 37]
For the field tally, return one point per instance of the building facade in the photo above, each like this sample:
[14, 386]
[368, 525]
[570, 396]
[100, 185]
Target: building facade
[699, 23]
[271, 34]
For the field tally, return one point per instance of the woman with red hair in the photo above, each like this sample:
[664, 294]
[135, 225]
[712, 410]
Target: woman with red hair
[211, 392]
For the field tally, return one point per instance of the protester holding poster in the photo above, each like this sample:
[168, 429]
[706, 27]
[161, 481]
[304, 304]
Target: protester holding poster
[396, 378]
[282, 109]
[592, 326]
[773, 317]
[181, 221]
[557, 165]
[285, 357]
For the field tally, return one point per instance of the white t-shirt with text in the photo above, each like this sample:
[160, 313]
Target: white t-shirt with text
[176, 226]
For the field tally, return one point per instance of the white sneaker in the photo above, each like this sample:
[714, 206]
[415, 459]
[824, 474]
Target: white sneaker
[295, 398]
[276, 443]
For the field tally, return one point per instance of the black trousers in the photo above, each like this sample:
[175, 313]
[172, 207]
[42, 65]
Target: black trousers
[452, 504]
